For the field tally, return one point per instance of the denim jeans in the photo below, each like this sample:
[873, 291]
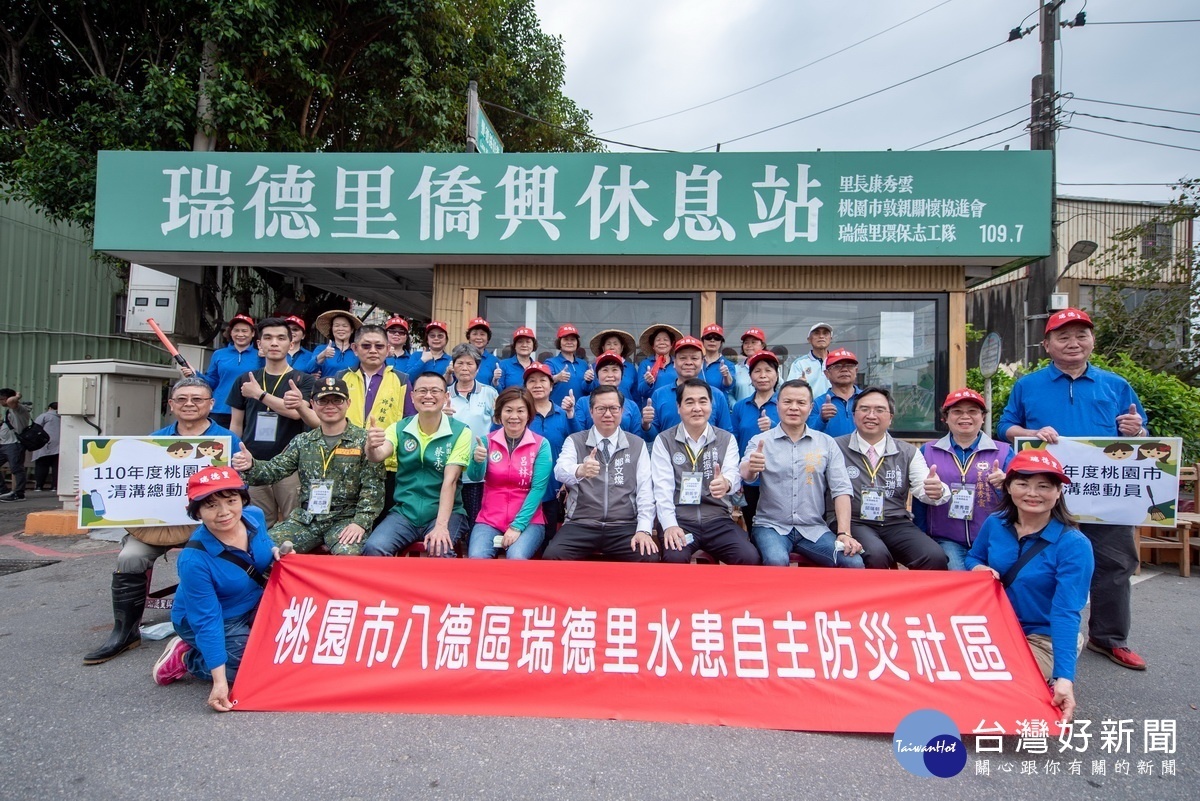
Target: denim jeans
[396, 533]
[956, 552]
[237, 632]
[776, 547]
[483, 535]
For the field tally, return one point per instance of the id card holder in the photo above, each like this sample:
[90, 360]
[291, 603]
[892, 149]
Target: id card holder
[320, 497]
[691, 485]
[962, 503]
[266, 426]
[872, 503]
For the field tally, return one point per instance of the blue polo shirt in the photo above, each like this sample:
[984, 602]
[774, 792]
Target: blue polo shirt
[745, 419]
[512, 373]
[577, 367]
[555, 427]
[712, 374]
[227, 366]
[628, 385]
[1049, 593]
[338, 363]
[439, 365]
[1075, 407]
[302, 361]
[631, 417]
[841, 423]
[402, 363]
[487, 369]
[666, 411]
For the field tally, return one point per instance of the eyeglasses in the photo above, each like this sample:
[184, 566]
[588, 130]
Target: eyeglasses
[712, 338]
[434, 391]
[605, 410]
[190, 401]
[878, 411]
[371, 346]
[330, 400]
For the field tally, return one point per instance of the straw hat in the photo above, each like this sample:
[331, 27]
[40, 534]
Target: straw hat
[645, 341]
[627, 342]
[325, 320]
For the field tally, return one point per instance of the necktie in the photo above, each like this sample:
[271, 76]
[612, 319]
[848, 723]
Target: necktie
[872, 456]
[605, 451]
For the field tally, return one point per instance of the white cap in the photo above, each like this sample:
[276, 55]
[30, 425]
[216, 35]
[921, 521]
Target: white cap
[820, 325]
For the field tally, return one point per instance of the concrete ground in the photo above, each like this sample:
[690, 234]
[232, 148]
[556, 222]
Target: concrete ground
[70, 731]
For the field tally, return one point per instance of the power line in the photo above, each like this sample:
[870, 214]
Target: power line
[782, 75]
[982, 136]
[540, 121]
[1133, 122]
[862, 97]
[1131, 139]
[1003, 141]
[1143, 22]
[1131, 105]
[969, 127]
[1120, 183]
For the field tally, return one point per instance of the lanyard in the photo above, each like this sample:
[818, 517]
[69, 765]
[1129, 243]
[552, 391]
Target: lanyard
[696, 456]
[325, 460]
[872, 472]
[278, 381]
[963, 469]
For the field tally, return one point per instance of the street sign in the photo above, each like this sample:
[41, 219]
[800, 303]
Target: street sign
[481, 136]
[989, 355]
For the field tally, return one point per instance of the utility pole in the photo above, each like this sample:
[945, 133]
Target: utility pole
[1043, 125]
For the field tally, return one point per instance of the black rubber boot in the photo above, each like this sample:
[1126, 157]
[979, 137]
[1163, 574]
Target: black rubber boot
[129, 601]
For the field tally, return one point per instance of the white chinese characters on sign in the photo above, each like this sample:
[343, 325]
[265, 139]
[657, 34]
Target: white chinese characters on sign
[364, 191]
[621, 202]
[208, 207]
[449, 203]
[529, 195]
[287, 198]
[696, 207]
[781, 211]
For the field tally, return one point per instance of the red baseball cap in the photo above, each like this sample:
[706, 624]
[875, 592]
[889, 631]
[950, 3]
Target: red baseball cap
[840, 355]
[567, 330]
[763, 356]
[757, 333]
[524, 331]
[609, 358]
[479, 322]
[1067, 316]
[439, 325]
[713, 328]
[537, 367]
[241, 318]
[396, 321]
[213, 479]
[1036, 460]
[964, 394]
[292, 319]
[687, 342]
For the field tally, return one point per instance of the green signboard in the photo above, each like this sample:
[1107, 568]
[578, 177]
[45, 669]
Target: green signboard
[486, 138]
[986, 206]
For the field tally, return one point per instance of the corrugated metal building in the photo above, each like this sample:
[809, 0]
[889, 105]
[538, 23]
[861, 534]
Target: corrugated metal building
[57, 303]
[998, 304]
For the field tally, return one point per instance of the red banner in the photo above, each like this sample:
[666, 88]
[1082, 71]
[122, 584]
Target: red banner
[804, 649]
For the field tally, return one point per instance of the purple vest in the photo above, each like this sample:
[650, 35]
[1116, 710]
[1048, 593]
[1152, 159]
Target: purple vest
[988, 456]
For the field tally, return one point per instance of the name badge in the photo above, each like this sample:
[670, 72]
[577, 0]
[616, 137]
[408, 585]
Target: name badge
[266, 426]
[872, 503]
[320, 497]
[962, 503]
[691, 485]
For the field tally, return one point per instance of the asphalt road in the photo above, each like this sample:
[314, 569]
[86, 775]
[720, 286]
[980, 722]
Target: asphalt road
[70, 731]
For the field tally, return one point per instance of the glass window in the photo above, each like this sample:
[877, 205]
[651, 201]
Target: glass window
[589, 312]
[900, 342]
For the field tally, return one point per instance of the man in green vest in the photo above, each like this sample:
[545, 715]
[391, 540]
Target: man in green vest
[432, 449]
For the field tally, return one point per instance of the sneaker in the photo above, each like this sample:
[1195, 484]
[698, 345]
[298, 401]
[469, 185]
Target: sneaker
[1122, 656]
[12, 497]
[169, 666]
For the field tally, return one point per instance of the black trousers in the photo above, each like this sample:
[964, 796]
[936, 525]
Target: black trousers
[892, 541]
[722, 538]
[578, 541]
[1116, 559]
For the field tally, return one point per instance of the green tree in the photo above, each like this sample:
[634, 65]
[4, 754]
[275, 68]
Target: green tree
[1147, 308]
[263, 75]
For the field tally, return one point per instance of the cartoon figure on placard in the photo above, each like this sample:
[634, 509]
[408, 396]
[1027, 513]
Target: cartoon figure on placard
[1159, 451]
[213, 450]
[1159, 511]
[179, 450]
[1119, 451]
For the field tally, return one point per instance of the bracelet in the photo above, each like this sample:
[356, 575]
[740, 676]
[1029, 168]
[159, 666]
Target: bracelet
[260, 397]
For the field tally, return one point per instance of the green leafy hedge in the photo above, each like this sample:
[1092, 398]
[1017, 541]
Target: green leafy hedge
[1173, 406]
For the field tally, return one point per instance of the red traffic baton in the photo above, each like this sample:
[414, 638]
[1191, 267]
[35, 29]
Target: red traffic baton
[171, 349]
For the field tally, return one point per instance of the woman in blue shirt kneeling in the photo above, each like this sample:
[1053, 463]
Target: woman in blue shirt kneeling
[217, 595]
[1050, 588]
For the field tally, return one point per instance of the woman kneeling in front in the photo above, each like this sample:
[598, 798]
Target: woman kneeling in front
[1033, 545]
[220, 584]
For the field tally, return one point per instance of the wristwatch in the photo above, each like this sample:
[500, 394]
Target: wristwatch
[260, 397]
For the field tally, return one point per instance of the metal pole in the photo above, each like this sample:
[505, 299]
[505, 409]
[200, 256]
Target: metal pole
[987, 397]
[472, 117]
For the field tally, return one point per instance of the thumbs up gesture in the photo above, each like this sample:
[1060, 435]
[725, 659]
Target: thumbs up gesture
[758, 460]
[589, 375]
[562, 375]
[251, 387]
[293, 398]
[497, 374]
[828, 410]
[719, 486]
[933, 484]
[326, 352]
[242, 460]
[650, 378]
[568, 403]
[376, 437]
[996, 477]
[481, 450]
[726, 376]
[647, 415]
[590, 468]
[448, 407]
[764, 422]
[1130, 423]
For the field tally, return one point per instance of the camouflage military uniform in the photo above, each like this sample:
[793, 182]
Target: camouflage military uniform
[357, 494]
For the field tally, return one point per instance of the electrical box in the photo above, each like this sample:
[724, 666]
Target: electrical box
[1060, 301]
[151, 294]
[77, 394]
